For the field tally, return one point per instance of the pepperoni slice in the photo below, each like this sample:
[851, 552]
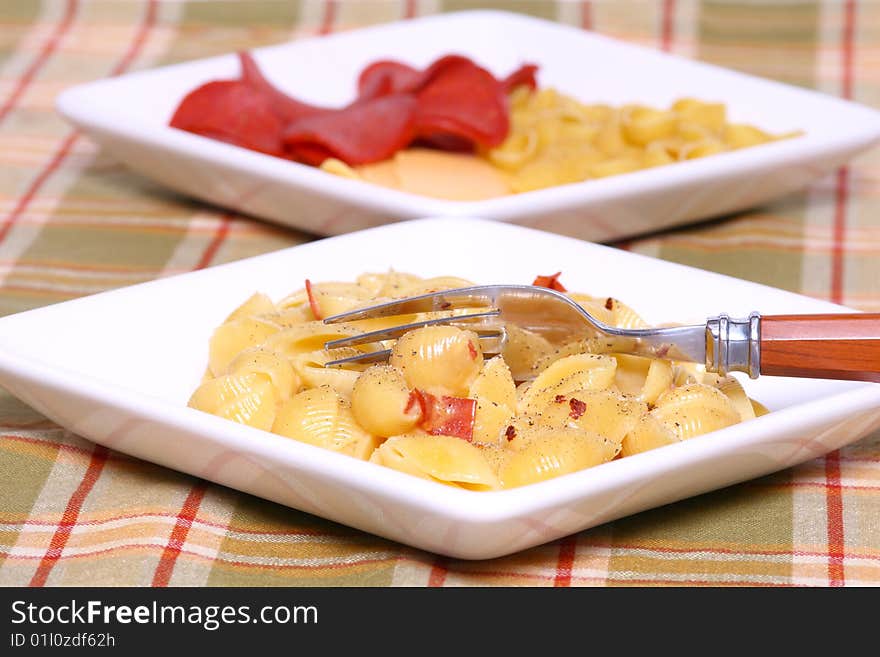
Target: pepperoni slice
[229, 110]
[453, 104]
[387, 77]
[460, 103]
[462, 99]
[358, 134]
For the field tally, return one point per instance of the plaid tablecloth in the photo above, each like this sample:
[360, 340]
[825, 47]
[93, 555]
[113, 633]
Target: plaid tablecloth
[74, 222]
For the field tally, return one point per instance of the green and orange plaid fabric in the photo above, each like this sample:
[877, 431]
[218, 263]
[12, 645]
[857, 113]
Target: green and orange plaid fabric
[74, 222]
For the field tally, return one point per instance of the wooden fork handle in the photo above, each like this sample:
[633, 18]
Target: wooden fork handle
[845, 346]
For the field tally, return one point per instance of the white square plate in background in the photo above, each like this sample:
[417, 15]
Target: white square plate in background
[129, 117]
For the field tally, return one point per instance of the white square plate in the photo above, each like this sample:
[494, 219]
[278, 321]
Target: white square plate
[129, 116]
[119, 367]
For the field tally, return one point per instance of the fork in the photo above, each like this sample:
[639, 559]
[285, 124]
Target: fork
[826, 346]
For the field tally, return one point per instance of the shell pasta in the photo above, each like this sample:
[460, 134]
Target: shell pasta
[442, 410]
[555, 139]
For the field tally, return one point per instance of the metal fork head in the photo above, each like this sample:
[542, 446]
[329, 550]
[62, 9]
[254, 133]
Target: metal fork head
[492, 336]
[396, 331]
[545, 311]
[527, 306]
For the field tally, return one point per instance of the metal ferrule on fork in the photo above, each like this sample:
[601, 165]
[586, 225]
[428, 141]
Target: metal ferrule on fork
[734, 345]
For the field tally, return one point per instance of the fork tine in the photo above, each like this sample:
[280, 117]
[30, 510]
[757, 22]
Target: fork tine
[440, 300]
[397, 331]
[491, 342]
[370, 357]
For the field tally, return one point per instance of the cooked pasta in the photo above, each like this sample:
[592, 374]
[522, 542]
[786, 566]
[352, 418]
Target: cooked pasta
[439, 409]
[555, 139]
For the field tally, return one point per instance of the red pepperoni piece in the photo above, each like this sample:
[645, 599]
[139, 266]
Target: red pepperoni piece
[358, 134]
[441, 66]
[462, 99]
[230, 111]
[387, 77]
[460, 103]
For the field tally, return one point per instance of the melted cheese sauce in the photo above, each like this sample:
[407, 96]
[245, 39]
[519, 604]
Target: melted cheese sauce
[438, 174]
